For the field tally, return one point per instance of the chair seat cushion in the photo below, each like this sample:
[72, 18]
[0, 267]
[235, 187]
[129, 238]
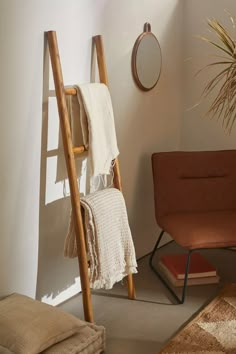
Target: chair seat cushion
[193, 230]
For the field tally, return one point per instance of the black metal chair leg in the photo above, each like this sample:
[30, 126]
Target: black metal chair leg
[179, 300]
[186, 276]
[155, 247]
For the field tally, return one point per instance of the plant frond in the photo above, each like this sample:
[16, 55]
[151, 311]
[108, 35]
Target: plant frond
[216, 45]
[223, 105]
[213, 64]
[222, 34]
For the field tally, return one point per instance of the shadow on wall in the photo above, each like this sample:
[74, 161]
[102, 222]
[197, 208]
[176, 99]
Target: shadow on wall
[58, 277]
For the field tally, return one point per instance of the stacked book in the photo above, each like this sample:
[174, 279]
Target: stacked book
[173, 266]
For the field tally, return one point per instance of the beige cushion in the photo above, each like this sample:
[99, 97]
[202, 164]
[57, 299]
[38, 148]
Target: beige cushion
[4, 350]
[90, 340]
[28, 326]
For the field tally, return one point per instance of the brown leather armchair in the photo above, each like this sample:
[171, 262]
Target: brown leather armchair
[195, 201]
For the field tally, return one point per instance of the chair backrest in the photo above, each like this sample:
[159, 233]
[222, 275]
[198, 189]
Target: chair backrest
[194, 181]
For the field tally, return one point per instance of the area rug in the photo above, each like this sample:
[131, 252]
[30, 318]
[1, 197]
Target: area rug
[212, 331]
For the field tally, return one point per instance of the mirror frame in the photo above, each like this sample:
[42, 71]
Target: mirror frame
[146, 31]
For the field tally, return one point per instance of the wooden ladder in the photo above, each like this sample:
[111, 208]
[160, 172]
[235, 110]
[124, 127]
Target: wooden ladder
[71, 152]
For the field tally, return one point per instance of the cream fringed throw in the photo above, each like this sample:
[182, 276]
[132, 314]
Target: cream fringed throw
[98, 127]
[110, 245]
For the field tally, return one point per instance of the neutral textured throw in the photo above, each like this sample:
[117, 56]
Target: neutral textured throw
[110, 245]
[98, 127]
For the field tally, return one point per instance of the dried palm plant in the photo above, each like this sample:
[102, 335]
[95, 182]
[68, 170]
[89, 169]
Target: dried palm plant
[224, 104]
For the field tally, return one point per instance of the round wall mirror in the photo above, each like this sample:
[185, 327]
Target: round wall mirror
[146, 59]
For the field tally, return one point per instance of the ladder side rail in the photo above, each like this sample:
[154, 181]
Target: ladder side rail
[117, 177]
[70, 162]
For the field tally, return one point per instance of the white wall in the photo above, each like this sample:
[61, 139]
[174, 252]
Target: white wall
[199, 132]
[30, 212]
[34, 210]
[58, 278]
[146, 121]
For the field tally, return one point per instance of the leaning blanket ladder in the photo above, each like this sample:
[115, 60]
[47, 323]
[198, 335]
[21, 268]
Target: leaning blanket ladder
[70, 154]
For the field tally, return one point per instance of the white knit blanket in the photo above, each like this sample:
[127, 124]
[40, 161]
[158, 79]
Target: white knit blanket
[98, 126]
[109, 241]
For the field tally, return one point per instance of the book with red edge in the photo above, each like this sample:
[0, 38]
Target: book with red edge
[199, 265]
[192, 281]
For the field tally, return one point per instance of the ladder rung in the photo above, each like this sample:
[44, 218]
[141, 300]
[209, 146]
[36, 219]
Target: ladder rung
[70, 91]
[79, 149]
[73, 92]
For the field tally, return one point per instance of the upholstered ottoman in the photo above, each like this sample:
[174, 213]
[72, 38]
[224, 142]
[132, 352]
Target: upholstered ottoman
[28, 326]
[90, 340]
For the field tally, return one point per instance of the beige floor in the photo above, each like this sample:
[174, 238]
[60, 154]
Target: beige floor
[143, 326]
